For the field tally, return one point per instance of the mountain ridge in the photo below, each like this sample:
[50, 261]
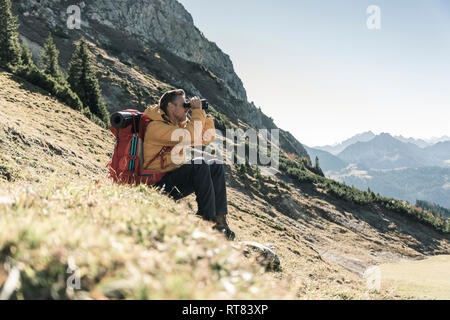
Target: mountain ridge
[384, 152]
[340, 146]
[420, 142]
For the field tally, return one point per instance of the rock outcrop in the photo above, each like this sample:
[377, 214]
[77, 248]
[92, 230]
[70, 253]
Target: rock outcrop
[165, 22]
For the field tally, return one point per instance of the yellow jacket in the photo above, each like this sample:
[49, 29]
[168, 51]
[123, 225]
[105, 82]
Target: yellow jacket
[159, 134]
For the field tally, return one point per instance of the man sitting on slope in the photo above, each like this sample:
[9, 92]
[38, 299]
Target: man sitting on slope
[170, 128]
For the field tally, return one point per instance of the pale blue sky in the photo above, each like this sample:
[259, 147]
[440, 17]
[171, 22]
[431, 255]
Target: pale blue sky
[342, 78]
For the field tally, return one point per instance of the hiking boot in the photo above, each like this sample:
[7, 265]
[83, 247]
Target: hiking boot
[222, 226]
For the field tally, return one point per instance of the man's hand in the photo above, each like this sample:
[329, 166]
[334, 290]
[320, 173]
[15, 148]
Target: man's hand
[196, 103]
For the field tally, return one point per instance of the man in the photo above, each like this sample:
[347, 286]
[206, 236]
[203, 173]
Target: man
[169, 128]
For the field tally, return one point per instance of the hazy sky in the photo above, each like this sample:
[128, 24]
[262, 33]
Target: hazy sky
[316, 68]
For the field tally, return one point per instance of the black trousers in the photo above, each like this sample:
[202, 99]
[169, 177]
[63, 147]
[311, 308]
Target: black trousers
[206, 179]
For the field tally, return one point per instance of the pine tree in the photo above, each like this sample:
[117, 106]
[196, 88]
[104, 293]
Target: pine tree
[27, 57]
[257, 172]
[49, 58]
[317, 168]
[10, 50]
[247, 163]
[83, 81]
[258, 176]
[242, 169]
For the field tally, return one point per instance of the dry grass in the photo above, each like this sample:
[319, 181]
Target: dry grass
[128, 243]
[425, 279]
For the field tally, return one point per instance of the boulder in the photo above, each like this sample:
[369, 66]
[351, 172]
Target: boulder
[265, 256]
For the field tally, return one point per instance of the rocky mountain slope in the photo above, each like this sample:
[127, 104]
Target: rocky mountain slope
[52, 174]
[142, 48]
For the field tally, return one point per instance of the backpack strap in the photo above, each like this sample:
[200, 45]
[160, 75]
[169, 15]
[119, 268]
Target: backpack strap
[134, 141]
[160, 154]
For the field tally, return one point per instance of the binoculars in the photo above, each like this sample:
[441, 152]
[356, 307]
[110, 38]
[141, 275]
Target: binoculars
[205, 104]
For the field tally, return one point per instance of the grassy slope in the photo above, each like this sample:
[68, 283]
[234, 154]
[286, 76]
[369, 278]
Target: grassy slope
[127, 242]
[133, 242]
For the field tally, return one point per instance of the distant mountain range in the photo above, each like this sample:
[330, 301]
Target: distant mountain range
[339, 147]
[437, 139]
[386, 152]
[423, 142]
[369, 135]
[399, 167]
[418, 142]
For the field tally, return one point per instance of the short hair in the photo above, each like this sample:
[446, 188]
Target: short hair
[169, 96]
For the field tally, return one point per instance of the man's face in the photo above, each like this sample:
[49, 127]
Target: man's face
[176, 110]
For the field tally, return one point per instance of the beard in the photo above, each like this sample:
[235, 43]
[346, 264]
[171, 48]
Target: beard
[182, 118]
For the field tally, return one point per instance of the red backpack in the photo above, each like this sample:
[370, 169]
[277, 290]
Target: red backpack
[126, 166]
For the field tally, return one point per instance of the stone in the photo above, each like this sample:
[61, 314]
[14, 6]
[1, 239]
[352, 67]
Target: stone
[266, 257]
